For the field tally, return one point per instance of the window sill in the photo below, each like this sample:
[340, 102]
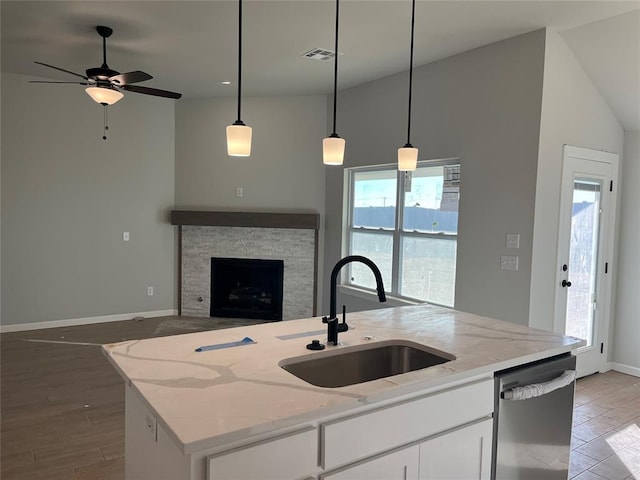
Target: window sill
[371, 295]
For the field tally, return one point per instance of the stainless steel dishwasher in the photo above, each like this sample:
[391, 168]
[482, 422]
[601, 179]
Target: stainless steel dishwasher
[532, 420]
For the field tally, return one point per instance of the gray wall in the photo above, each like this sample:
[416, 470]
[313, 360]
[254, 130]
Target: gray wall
[68, 195]
[626, 342]
[573, 113]
[283, 173]
[482, 106]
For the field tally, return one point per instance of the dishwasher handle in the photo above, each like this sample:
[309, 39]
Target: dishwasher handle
[539, 389]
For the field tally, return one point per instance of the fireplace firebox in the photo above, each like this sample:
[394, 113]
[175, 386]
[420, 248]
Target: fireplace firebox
[246, 288]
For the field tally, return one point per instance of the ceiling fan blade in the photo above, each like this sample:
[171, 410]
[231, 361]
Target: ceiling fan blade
[62, 70]
[151, 91]
[46, 81]
[130, 77]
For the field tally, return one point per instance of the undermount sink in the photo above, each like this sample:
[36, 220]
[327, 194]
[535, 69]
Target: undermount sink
[362, 363]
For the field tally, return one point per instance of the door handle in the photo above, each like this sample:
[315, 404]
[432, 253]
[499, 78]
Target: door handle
[565, 283]
[539, 389]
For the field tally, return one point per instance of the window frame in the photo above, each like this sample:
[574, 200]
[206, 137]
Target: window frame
[398, 233]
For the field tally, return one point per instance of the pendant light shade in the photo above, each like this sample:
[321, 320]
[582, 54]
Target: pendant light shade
[408, 154]
[407, 158]
[333, 145]
[333, 150]
[104, 96]
[239, 134]
[239, 140]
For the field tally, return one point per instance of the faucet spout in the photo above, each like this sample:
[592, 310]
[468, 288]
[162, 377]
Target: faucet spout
[333, 319]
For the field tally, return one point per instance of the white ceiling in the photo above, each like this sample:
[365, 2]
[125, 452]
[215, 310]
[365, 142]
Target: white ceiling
[191, 46]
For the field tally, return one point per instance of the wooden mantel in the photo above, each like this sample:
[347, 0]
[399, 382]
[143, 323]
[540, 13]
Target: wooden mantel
[246, 219]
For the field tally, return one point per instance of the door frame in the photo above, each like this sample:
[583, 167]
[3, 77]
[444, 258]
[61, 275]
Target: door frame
[606, 254]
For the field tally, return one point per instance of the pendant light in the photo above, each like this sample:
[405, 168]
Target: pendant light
[333, 145]
[239, 134]
[408, 154]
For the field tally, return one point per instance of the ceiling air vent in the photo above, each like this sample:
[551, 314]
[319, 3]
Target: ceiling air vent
[321, 54]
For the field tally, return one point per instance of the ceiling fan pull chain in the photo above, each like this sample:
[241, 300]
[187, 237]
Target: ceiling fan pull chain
[106, 126]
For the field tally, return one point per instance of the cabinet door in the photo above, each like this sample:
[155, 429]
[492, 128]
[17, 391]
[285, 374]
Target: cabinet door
[290, 457]
[398, 465]
[463, 454]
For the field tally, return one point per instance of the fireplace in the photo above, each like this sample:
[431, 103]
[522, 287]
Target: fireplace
[290, 237]
[246, 288]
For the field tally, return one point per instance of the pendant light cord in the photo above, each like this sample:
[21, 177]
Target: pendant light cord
[413, 17]
[335, 71]
[239, 121]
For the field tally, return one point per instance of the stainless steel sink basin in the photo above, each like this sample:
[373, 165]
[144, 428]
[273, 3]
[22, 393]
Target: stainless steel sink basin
[362, 363]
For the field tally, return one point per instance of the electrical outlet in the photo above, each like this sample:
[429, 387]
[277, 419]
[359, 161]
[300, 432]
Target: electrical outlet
[509, 263]
[150, 291]
[239, 192]
[125, 236]
[513, 240]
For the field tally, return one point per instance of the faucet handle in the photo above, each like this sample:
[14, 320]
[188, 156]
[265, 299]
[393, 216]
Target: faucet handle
[342, 327]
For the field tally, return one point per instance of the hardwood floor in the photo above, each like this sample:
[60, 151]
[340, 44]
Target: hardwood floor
[62, 403]
[62, 406]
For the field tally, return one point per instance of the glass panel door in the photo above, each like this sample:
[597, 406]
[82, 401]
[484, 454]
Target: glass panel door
[583, 259]
[585, 249]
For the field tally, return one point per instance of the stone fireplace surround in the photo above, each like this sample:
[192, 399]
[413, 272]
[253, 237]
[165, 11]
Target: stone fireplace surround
[291, 237]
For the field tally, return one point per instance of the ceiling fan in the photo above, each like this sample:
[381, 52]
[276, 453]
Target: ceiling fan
[104, 85]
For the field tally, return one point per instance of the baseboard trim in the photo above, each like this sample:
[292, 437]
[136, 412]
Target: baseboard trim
[622, 368]
[21, 327]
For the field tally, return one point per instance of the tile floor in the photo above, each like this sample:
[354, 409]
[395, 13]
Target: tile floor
[62, 407]
[606, 428]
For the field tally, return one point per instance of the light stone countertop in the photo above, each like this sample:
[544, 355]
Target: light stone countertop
[207, 399]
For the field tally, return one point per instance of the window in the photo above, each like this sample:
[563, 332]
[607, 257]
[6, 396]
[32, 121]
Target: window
[408, 225]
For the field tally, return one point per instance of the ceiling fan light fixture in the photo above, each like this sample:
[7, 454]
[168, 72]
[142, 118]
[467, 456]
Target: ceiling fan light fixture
[239, 140]
[104, 96]
[333, 150]
[407, 158]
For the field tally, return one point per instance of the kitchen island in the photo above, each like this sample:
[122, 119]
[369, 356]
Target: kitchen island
[235, 413]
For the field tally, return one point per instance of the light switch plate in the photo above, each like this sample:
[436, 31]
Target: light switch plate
[513, 240]
[125, 236]
[508, 262]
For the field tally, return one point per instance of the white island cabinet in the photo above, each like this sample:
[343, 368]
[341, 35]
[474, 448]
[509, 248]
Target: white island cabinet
[410, 439]
[415, 438]
[234, 413]
[464, 453]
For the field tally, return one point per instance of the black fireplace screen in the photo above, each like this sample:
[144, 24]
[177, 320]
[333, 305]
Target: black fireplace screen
[246, 288]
